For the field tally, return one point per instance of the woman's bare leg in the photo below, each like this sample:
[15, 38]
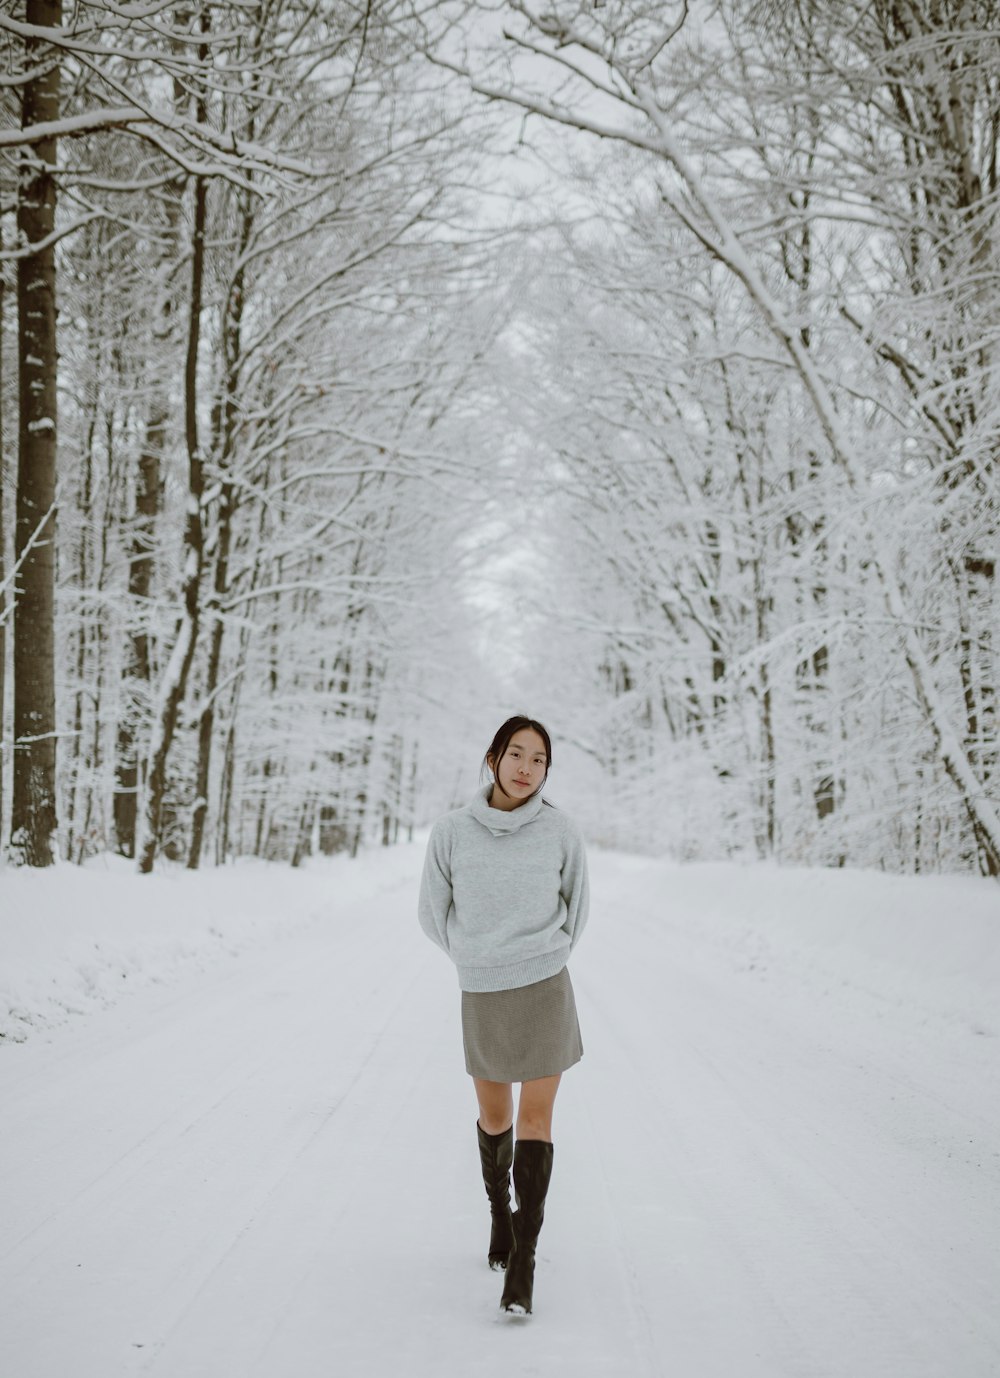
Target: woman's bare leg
[496, 1105]
[534, 1108]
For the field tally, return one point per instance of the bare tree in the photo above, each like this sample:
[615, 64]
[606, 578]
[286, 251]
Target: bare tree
[33, 811]
[3, 550]
[663, 83]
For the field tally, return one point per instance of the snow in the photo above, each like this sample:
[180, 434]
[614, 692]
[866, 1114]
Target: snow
[72, 124]
[239, 1139]
[75, 939]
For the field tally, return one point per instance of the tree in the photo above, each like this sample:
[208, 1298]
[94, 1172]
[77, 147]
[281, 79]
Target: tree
[33, 808]
[283, 199]
[694, 99]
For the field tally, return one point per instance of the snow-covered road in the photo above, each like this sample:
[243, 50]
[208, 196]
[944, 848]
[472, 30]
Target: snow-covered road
[772, 1162]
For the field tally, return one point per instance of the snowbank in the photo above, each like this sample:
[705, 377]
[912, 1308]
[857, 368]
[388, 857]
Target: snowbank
[74, 939]
[923, 949]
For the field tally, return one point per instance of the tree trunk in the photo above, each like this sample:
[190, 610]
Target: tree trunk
[206, 722]
[225, 443]
[265, 775]
[93, 835]
[179, 665]
[977, 618]
[80, 633]
[303, 834]
[137, 673]
[3, 576]
[138, 669]
[33, 815]
[226, 795]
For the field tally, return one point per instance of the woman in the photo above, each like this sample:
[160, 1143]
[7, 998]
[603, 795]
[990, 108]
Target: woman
[504, 893]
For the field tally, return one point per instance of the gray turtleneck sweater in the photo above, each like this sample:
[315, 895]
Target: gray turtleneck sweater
[504, 893]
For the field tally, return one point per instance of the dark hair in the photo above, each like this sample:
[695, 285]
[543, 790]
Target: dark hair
[498, 747]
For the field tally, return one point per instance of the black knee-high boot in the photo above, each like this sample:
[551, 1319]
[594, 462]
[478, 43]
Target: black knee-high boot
[496, 1152]
[532, 1171]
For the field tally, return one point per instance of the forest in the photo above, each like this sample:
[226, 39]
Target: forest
[373, 369]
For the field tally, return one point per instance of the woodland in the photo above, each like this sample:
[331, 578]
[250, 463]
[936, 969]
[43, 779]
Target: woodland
[372, 369]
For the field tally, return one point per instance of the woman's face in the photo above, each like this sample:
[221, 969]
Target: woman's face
[521, 769]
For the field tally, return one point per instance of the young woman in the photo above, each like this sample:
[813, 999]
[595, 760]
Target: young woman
[504, 893]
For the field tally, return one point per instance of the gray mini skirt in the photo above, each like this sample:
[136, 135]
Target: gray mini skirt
[522, 1034]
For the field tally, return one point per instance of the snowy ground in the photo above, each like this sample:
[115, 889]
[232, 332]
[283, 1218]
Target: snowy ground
[238, 1140]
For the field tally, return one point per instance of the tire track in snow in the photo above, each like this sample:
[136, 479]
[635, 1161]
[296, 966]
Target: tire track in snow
[225, 1074]
[681, 1248]
[647, 1358]
[174, 1357]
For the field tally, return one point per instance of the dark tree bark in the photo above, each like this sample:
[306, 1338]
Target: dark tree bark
[81, 632]
[228, 417]
[3, 574]
[179, 664]
[178, 667]
[137, 672]
[33, 813]
[206, 722]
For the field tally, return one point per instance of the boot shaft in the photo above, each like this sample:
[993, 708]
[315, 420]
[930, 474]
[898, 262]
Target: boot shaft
[532, 1174]
[496, 1153]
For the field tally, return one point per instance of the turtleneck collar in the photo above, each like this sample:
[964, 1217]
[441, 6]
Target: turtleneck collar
[504, 820]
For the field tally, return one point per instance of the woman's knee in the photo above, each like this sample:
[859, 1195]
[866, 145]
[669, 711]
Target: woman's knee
[534, 1127]
[496, 1106]
[534, 1111]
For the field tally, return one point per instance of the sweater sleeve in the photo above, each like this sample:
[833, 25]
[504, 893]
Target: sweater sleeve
[436, 903]
[575, 887]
